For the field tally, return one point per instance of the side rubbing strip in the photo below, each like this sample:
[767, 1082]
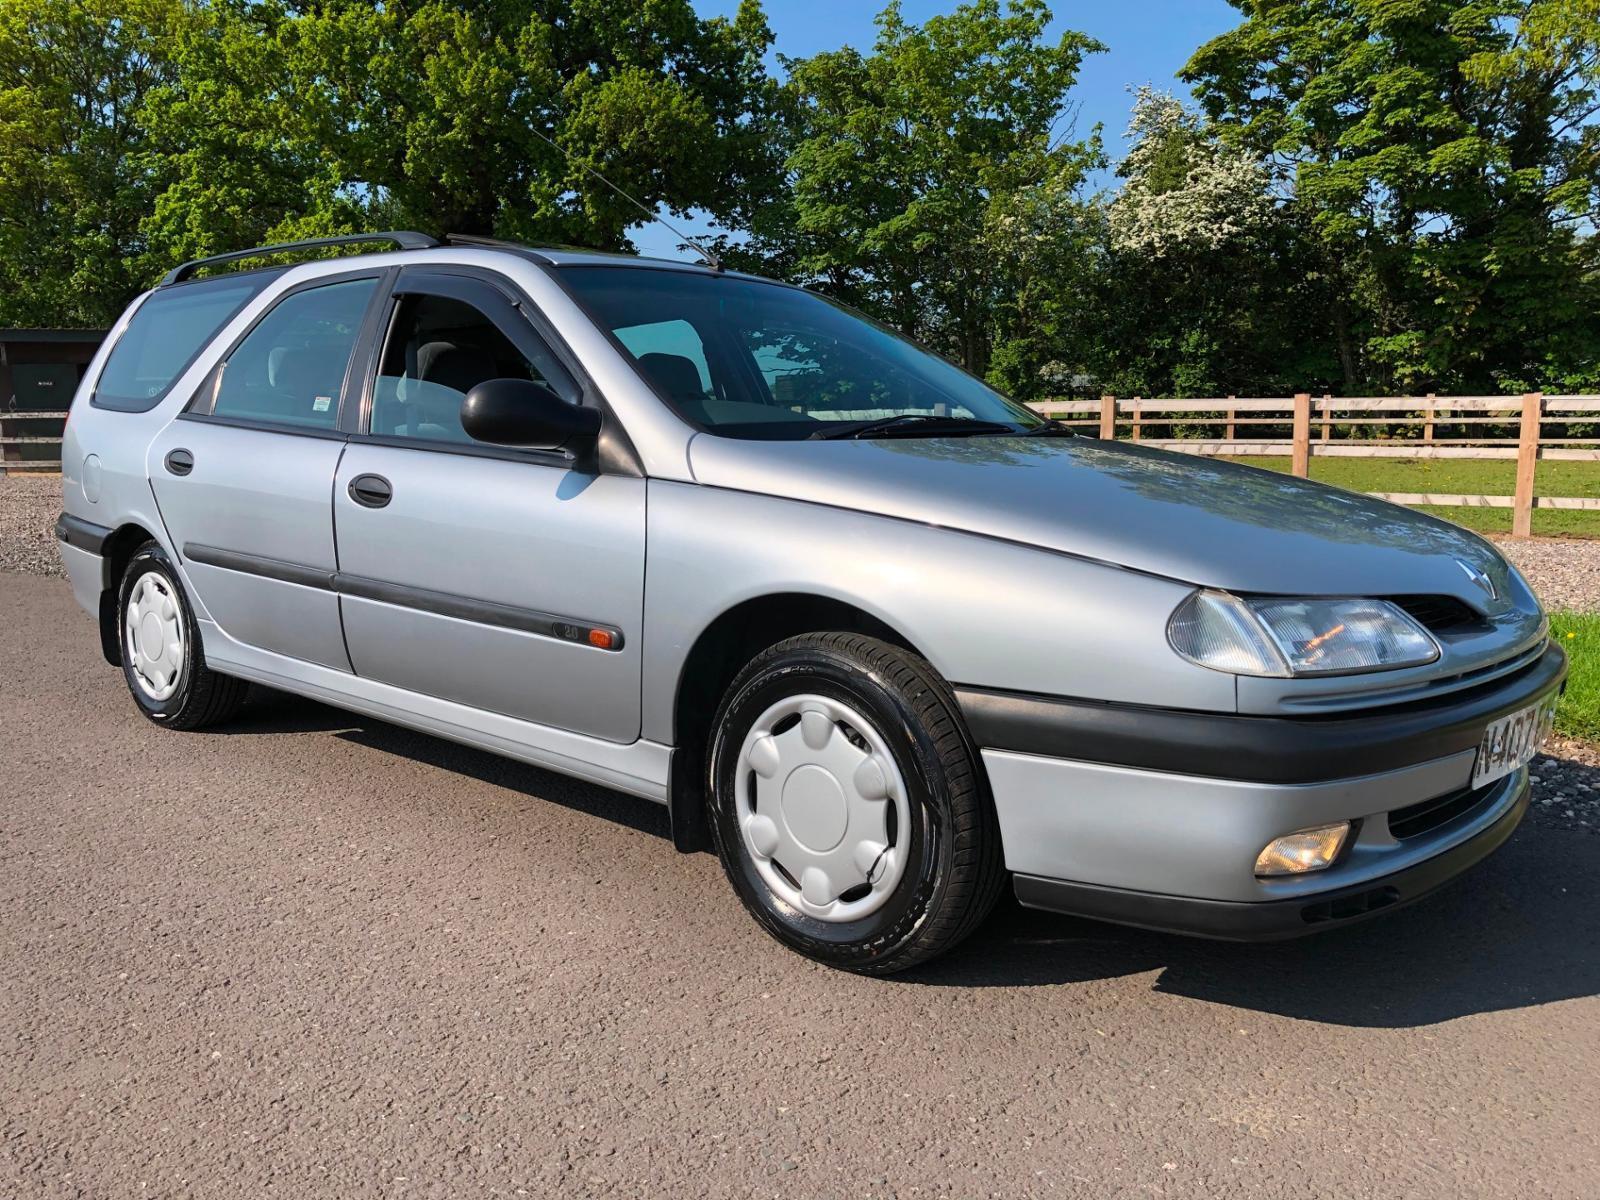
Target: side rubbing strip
[482, 612]
[254, 564]
[443, 604]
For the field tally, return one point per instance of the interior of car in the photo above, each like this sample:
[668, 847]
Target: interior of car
[437, 351]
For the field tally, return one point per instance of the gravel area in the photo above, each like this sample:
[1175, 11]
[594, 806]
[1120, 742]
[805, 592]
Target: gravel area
[1566, 786]
[1565, 572]
[29, 505]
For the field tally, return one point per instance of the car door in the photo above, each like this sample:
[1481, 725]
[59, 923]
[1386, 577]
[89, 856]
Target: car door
[475, 573]
[243, 477]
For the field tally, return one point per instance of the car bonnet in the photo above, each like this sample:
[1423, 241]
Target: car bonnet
[1200, 521]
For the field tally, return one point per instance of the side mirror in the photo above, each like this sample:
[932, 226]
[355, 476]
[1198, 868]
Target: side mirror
[523, 413]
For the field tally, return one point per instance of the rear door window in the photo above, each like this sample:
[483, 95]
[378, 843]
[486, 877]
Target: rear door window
[290, 368]
[166, 334]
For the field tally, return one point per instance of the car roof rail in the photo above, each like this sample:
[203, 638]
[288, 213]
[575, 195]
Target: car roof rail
[478, 239]
[484, 242]
[404, 238]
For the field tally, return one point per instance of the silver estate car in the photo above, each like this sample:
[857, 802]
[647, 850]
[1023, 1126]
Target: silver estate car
[883, 638]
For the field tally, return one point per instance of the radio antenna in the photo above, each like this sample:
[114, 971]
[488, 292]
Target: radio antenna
[708, 256]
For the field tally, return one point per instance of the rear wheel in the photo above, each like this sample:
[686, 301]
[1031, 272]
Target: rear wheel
[162, 658]
[848, 806]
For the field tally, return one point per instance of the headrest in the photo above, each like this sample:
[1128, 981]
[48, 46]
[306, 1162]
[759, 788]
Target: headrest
[460, 368]
[674, 374]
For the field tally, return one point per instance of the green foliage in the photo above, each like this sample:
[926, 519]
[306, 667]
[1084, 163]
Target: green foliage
[913, 168]
[1209, 289]
[1578, 710]
[1447, 158]
[1373, 195]
[134, 137]
[348, 114]
[75, 76]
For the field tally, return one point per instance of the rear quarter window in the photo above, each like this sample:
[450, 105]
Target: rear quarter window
[166, 334]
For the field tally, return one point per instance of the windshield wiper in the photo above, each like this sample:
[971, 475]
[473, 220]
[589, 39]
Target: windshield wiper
[1051, 428]
[914, 425]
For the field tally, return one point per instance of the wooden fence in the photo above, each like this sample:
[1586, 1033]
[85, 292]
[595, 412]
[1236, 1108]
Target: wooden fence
[1322, 426]
[12, 422]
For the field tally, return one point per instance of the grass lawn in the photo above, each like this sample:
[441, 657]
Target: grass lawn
[1578, 714]
[1464, 476]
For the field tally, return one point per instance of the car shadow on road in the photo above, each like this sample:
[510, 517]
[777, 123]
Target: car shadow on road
[1521, 929]
[271, 712]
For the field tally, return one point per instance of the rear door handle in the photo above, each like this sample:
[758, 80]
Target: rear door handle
[179, 461]
[371, 491]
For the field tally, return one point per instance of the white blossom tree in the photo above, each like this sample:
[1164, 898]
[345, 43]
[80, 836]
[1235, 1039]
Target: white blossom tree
[1185, 188]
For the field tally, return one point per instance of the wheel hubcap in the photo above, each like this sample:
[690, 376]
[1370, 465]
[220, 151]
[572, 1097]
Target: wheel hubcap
[822, 808]
[153, 638]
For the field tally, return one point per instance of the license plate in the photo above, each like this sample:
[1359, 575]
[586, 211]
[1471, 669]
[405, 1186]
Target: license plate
[1511, 742]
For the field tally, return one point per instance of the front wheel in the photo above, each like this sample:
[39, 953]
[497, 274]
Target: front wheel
[848, 806]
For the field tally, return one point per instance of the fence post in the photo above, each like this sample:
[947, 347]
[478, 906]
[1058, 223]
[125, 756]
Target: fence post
[1300, 458]
[1327, 414]
[1427, 421]
[1527, 460]
[1136, 419]
[1108, 417]
[1230, 417]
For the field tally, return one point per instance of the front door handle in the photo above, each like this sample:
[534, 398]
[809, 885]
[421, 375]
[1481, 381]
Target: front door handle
[179, 461]
[371, 491]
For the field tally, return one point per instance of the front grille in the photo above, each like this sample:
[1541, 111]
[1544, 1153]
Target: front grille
[1439, 614]
[1417, 819]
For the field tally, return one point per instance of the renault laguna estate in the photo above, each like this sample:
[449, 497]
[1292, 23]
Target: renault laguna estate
[886, 640]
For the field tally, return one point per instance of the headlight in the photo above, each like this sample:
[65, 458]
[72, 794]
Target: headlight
[1282, 636]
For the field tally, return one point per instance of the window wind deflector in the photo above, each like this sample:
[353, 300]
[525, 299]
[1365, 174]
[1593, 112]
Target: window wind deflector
[912, 425]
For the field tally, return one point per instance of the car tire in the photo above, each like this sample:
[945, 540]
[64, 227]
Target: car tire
[848, 756]
[162, 658]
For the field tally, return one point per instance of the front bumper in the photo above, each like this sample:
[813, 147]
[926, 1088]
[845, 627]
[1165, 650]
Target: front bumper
[1155, 818]
[1266, 920]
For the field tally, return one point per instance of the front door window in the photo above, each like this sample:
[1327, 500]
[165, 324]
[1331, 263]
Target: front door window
[439, 348]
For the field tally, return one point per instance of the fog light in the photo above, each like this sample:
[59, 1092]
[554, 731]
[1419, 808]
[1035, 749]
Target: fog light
[1308, 850]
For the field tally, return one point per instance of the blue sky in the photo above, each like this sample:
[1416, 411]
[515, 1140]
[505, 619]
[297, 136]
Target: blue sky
[1147, 41]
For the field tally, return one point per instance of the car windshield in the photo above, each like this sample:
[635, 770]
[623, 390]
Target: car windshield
[744, 358]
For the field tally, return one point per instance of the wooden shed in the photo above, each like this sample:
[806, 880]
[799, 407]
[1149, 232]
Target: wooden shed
[39, 371]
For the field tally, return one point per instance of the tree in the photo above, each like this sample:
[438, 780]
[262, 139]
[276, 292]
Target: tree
[134, 136]
[1447, 157]
[289, 119]
[905, 162]
[74, 77]
[1207, 287]
[1047, 244]
[1184, 188]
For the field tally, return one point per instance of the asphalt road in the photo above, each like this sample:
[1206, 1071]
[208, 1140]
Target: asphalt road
[316, 955]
